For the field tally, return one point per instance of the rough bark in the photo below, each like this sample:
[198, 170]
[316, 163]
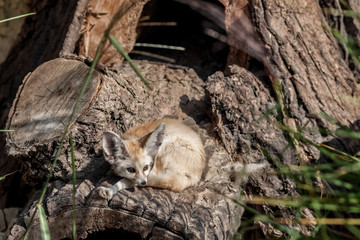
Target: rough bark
[349, 27]
[238, 104]
[37, 120]
[314, 77]
[39, 42]
[98, 17]
[202, 212]
[243, 45]
[306, 59]
[36, 43]
[43, 42]
[303, 56]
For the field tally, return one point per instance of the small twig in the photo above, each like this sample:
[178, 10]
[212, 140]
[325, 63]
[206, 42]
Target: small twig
[157, 24]
[153, 55]
[152, 45]
[17, 17]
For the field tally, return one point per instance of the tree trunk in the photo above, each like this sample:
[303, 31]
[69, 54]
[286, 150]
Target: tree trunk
[314, 79]
[292, 46]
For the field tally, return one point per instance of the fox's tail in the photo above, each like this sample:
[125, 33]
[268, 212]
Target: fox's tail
[240, 172]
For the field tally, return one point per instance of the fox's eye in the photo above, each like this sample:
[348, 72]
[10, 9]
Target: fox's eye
[146, 167]
[131, 170]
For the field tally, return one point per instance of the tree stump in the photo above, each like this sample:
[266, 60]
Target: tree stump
[44, 104]
[206, 211]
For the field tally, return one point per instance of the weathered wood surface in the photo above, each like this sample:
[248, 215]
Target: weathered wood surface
[38, 43]
[314, 78]
[302, 54]
[63, 34]
[98, 17]
[307, 60]
[349, 27]
[41, 38]
[45, 101]
[202, 212]
[246, 136]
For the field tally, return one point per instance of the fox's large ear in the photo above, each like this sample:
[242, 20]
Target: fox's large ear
[113, 147]
[155, 140]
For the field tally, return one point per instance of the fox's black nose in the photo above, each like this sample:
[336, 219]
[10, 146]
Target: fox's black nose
[143, 182]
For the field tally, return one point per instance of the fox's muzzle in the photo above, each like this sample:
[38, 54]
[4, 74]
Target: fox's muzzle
[141, 181]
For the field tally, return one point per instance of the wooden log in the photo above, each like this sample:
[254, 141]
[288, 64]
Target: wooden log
[306, 58]
[247, 136]
[51, 39]
[75, 27]
[64, 33]
[42, 109]
[45, 101]
[203, 212]
[98, 17]
[313, 78]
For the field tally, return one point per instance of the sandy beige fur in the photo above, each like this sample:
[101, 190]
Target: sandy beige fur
[179, 161]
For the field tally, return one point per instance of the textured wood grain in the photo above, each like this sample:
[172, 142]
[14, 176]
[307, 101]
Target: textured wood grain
[246, 136]
[43, 37]
[45, 101]
[63, 34]
[306, 58]
[98, 17]
[314, 78]
[203, 212]
[38, 43]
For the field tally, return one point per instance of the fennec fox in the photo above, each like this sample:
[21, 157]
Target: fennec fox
[164, 154]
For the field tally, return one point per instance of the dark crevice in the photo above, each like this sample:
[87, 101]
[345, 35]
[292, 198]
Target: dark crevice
[203, 53]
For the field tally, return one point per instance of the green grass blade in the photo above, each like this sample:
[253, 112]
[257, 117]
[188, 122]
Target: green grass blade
[8, 174]
[17, 17]
[6, 130]
[74, 183]
[153, 55]
[77, 102]
[347, 133]
[345, 13]
[126, 56]
[119, 14]
[348, 45]
[76, 105]
[44, 227]
[152, 45]
[354, 230]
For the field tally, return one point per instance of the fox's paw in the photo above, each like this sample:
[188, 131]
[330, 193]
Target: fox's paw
[106, 193]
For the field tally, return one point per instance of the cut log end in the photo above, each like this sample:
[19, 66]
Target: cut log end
[45, 101]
